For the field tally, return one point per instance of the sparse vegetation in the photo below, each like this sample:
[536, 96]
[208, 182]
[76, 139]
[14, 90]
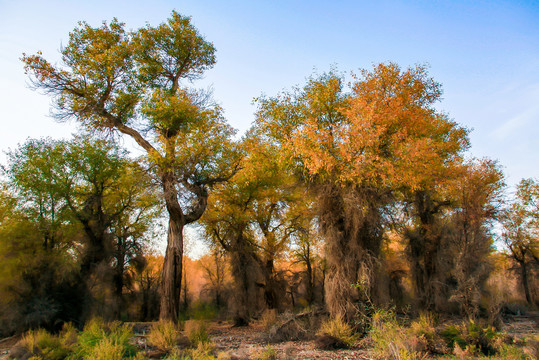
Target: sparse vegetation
[163, 335]
[197, 332]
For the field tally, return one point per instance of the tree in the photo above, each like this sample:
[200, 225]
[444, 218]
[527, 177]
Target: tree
[38, 283]
[476, 199]
[131, 82]
[89, 201]
[356, 151]
[521, 231]
[252, 218]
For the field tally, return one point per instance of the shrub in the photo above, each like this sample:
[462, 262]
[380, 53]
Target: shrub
[269, 353]
[337, 328]
[390, 340]
[117, 336]
[203, 351]
[163, 335]
[471, 338]
[424, 338]
[69, 335]
[532, 346]
[177, 354]
[196, 332]
[106, 349]
[203, 311]
[268, 319]
[42, 344]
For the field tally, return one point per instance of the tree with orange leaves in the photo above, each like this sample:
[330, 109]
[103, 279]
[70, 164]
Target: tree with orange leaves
[357, 151]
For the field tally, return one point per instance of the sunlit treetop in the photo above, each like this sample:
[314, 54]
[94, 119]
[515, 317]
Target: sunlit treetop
[384, 133]
[111, 78]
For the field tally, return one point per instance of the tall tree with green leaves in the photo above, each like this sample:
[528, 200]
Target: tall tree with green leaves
[89, 202]
[133, 83]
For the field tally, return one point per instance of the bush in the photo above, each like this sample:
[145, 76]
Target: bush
[390, 340]
[269, 319]
[471, 338]
[163, 335]
[338, 329]
[269, 353]
[109, 337]
[42, 344]
[204, 351]
[196, 332]
[106, 349]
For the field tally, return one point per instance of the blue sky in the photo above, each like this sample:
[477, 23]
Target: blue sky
[485, 53]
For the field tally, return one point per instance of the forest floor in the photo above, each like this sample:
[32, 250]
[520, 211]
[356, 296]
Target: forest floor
[246, 342]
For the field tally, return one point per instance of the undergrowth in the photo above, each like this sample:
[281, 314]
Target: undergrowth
[163, 335]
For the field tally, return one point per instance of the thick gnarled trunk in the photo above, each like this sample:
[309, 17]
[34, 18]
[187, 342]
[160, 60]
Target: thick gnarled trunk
[171, 278]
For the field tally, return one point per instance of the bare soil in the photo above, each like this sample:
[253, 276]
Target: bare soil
[244, 342]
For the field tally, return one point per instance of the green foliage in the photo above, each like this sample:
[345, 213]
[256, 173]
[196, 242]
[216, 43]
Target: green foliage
[106, 349]
[163, 335]
[472, 337]
[202, 310]
[45, 345]
[203, 351]
[391, 340]
[113, 339]
[340, 330]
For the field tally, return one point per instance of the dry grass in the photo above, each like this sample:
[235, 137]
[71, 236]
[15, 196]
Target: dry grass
[338, 329]
[269, 319]
[197, 332]
[164, 335]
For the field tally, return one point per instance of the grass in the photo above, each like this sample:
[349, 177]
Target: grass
[197, 333]
[163, 335]
[268, 353]
[44, 345]
[339, 329]
[110, 338]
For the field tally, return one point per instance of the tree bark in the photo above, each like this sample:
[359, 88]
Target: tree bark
[171, 277]
[524, 279]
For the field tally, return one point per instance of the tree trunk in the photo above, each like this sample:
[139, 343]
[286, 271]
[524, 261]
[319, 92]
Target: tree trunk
[270, 295]
[524, 279]
[171, 278]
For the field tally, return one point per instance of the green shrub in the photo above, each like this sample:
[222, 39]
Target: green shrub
[390, 340]
[44, 345]
[163, 335]
[471, 337]
[107, 336]
[511, 352]
[106, 349]
[203, 311]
